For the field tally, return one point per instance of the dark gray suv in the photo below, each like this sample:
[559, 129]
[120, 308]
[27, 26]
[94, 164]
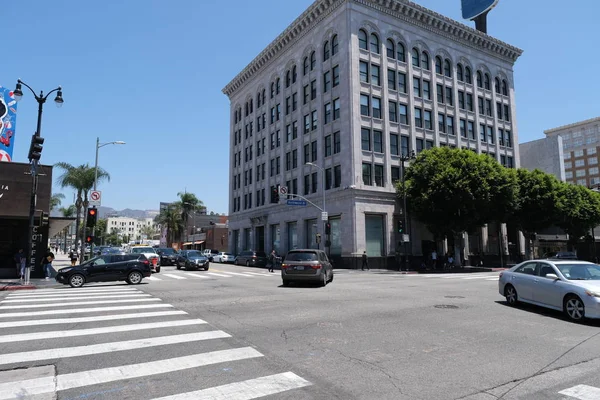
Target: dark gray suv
[251, 258]
[306, 265]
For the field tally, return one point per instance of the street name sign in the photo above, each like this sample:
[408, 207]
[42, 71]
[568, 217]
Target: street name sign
[296, 202]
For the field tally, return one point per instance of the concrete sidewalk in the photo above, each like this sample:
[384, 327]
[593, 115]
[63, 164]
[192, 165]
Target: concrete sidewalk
[61, 261]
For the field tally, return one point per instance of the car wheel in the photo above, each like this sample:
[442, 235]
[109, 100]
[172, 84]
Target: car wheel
[247, 263]
[286, 283]
[134, 278]
[511, 295]
[324, 279]
[76, 280]
[574, 308]
[178, 266]
[206, 269]
[331, 277]
[157, 270]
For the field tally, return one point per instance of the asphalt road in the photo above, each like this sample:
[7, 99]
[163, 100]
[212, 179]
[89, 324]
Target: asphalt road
[367, 335]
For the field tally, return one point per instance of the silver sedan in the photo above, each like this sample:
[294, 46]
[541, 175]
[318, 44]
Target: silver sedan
[572, 287]
[223, 257]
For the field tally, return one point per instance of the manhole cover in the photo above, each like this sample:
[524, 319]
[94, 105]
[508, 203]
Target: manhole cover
[454, 297]
[448, 306]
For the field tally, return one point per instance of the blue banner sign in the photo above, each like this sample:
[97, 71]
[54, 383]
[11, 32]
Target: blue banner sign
[471, 9]
[296, 202]
[8, 119]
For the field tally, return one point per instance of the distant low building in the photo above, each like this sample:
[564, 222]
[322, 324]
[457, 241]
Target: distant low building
[544, 154]
[132, 227]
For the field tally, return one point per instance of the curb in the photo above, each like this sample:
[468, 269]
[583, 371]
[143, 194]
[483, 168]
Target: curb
[17, 287]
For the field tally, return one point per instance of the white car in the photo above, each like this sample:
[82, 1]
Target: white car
[570, 286]
[150, 254]
[223, 257]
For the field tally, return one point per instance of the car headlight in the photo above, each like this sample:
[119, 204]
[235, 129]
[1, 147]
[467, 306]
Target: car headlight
[63, 270]
[592, 293]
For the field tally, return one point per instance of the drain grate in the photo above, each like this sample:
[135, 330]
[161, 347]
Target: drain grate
[454, 297]
[446, 306]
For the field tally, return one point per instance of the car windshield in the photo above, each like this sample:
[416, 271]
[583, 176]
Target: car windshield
[139, 250]
[167, 251]
[580, 272]
[194, 254]
[95, 261]
[301, 257]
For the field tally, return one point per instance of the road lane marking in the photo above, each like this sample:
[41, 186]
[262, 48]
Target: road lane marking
[102, 296]
[240, 274]
[246, 390]
[81, 303]
[259, 273]
[82, 290]
[66, 294]
[59, 321]
[153, 278]
[493, 279]
[221, 275]
[582, 392]
[37, 386]
[79, 351]
[196, 275]
[175, 276]
[23, 337]
[83, 310]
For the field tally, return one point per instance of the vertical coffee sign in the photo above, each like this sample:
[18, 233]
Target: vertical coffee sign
[8, 119]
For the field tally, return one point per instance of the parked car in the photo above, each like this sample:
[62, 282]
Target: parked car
[210, 253]
[223, 257]
[306, 265]
[561, 255]
[572, 287]
[98, 250]
[150, 254]
[112, 250]
[251, 258]
[131, 268]
[168, 256]
[192, 259]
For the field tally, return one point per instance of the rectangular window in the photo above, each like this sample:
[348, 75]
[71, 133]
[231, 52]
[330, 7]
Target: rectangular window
[393, 111]
[569, 174]
[294, 130]
[428, 120]
[480, 106]
[417, 86]
[377, 141]
[288, 161]
[313, 90]
[508, 139]
[272, 168]
[336, 75]
[306, 184]
[395, 174]
[428, 144]
[441, 123]
[337, 176]
[294, 101]
[327, 117]
[313, 117]
[506, 113]
[488, 107]
[326, 81]
[306, 94]
[288, 133]
[336, 109]
[401, 82]
[449, 96]
[314, 181]
[295, 158]
[391, 79]
[461, 100]
[426, 90]
[501, 137]
[463, 128]
[482, 133]
[365, 139]
[328, 179]
[420, 145]
[593, 171]
[364, 71]
[306, 153]
[579, 163]
[499, 110]
[313, 151]
[288, 107]
[394, 146]
[278, 165]
[375, 75]
[337, 144]
[378, 175]
[490, 134]
[418, 118]
[364, 105]
[307, 123]
[578, 153]
[579, 173]
[376, 107]
[450, 125]
[367, 174]
[327, 145]
[440, 93]
[404, 144]
[469, 102]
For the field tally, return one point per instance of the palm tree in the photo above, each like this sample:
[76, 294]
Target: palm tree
[188, 203]
[55, 200]
[81, 179]
[68, 212]
[170, 218]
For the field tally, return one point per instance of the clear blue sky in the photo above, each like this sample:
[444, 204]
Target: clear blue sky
[150, 72]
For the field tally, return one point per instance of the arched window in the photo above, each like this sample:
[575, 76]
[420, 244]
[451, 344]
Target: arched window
[479, 80]
[251, 106]
[288, 78]
[401, 52]
[447, 68]
[334, 45]
[305, 66]
[326, 51]
[438, 65]
[389, 48]
[425, 61]
[459, 73]
[497, 85]
[504, 88]
[468, 75]
[294, 74]
[278, 86]
[246, 110]
[486, 81]
[258, 99]
[362, 40]
[264, 96]
[374, 43]
[313, 60]
[416, 61]
[272, 89]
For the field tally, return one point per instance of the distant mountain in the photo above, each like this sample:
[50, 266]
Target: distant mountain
[104, 212]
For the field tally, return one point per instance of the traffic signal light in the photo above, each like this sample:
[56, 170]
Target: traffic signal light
[400, 226]
[45, 220]
[92, 216]
[35, 148]
[328, 228]
[275, 194]
[318, 238]
[89, 239]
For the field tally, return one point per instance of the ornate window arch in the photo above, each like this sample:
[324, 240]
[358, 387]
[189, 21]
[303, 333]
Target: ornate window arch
[362, 40]
[313, 60]
[438, 65]
[326, 51]
[416, 57]
[390, 49]
[374, 42]
[460, 76]
[447, 68]
[425, 63]
[334, 45]
[479, 79]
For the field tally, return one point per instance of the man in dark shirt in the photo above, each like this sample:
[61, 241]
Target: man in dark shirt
[365, 261]
[47, 263]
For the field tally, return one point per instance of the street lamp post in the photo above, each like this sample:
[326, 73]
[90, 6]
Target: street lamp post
[323, 191]
[404, 158]
[33, 234]
[98, 145]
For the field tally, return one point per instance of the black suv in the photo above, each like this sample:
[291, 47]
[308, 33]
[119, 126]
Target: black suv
[168, 256]
[251, 258]
[131, 268]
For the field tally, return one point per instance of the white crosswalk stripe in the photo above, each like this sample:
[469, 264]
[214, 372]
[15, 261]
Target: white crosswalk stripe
[87, 289]
[197, 276]
[173, 276]
[217, 274]
[149, 332]
[582, 392]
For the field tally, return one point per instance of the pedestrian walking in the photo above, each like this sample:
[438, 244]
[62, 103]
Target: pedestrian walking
[17, 258]
[73, 257]
[47, 263]
[272, 260]
[365, 261]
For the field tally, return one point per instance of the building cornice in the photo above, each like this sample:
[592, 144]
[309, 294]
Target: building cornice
[402, 9]
[573, 125]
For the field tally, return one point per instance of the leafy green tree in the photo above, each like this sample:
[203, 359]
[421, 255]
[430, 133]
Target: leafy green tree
[171, 218]
[149, 231]
[101, 231]
[68, 212]
[188, 203]
[56, 200]
[578, 210]
[454, 191]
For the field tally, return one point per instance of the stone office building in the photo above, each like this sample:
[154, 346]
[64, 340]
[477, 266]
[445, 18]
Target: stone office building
[350, 86]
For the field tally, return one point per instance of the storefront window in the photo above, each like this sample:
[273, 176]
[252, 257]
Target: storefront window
[336, 237]
[248, 239]
[276, 238]
[311, 233]
[374, 235]
[292, 232]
